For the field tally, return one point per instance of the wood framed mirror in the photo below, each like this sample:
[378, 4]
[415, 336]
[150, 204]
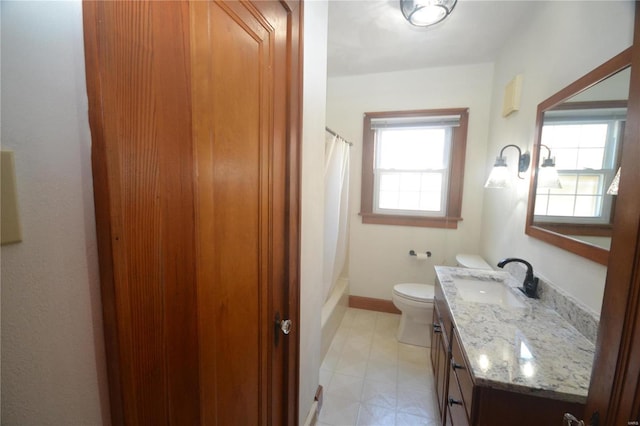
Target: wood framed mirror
[580, 130]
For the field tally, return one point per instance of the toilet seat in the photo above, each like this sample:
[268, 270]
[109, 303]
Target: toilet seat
[415, 292]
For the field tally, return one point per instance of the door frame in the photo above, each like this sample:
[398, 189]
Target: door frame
[294, 159]
[614, 392]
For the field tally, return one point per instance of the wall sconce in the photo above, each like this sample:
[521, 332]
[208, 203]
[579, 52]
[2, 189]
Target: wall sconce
[423, 13]
[499, 177]
[547, 173]
[613, 188]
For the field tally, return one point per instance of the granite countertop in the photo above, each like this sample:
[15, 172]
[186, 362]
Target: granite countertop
[526, 349]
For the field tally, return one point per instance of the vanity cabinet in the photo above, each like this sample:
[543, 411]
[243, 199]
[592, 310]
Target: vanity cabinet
[463, 400]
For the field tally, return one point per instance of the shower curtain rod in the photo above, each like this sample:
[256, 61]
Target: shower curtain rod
[337, 135]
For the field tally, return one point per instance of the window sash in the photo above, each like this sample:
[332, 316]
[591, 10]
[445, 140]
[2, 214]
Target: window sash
[604, 201]
[443, 172]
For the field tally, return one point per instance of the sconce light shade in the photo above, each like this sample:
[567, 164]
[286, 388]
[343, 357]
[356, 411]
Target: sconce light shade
[499, 177]
[613, 188]
[423, 13]
[547, 173]
[548, 178]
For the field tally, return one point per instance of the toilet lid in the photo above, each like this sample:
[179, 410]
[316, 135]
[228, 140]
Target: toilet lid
[472, 261]
[417, 292]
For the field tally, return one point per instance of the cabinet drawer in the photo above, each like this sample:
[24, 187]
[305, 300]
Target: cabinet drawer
[456, 411]
[460, 369]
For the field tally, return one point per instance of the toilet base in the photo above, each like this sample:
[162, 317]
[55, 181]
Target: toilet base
[413, 333]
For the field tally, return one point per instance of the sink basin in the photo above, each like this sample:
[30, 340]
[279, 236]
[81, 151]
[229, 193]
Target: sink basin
[486, 291]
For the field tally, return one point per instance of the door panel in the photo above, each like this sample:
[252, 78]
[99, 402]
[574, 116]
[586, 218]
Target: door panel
[194, 119]
[240, 251]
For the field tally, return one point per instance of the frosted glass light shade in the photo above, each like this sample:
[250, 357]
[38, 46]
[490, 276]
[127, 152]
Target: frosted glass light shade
[548, 178]
[423, 13]
[613, 188]
[499, 177]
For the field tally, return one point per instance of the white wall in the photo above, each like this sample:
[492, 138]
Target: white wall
[53, 367]
[560, 42]
[313, 122]
[379, 253]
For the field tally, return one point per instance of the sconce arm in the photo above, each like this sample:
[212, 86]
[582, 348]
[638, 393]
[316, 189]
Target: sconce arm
[523, 159]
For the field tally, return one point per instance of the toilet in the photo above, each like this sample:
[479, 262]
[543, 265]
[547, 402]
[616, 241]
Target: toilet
[415, 302]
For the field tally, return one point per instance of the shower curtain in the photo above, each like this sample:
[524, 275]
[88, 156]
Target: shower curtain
[336, 204]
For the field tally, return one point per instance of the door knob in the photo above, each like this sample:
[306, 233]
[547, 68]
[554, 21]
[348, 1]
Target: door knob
[570, 420]
[285, 326]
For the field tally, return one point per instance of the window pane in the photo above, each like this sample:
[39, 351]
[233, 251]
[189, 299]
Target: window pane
[412, 149]
[589, 184]
[432, 182]
[410, 182]
[541, 204]
[411, 191]
[591, 158]
[388, 200]
[559, 136]
[587, 206]
[566, 159]
[430, 201]
[409, 200]
[593, 135]
[560, 205]
[389, 181]
[568, 182]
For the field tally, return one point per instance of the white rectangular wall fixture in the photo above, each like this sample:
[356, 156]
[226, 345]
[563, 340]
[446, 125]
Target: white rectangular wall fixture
[10, 227]
[512, 93]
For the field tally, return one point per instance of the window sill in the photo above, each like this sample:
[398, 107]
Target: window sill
[421, 221]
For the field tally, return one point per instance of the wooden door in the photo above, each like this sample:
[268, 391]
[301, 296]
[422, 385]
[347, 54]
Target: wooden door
[194, 110]
[614, 393]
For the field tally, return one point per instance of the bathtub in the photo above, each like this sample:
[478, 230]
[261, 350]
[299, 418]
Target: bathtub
[332, 312]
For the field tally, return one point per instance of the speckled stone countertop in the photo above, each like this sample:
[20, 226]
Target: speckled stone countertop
[527, 349]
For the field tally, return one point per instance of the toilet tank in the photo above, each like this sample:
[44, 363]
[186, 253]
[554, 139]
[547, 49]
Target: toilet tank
[472, 261]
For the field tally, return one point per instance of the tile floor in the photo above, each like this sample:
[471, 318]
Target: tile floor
[369, 379]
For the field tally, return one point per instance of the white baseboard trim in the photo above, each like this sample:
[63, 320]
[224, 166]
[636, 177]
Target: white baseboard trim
[312, 417]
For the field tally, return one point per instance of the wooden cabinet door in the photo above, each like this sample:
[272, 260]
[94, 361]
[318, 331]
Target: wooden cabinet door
[194, 119]
[441, 373]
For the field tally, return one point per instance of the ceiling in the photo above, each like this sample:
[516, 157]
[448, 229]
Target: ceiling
[369, 36]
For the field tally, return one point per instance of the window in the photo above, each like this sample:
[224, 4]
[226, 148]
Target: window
[413, 166]
[585, 144]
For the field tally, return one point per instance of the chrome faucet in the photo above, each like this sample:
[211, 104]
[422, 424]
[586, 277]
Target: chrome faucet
[530, 285]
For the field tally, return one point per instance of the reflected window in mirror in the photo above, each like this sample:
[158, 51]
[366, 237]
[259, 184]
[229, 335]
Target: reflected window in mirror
[584, 139]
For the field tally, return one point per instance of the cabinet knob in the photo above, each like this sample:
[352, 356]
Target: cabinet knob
[436, 328]
[453, 402]
[456, 366]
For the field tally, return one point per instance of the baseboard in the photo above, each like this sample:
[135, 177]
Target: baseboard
[318, 397]
[372, 304]
[314, 412]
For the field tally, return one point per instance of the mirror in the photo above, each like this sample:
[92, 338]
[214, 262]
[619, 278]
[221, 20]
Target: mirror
[580, 131]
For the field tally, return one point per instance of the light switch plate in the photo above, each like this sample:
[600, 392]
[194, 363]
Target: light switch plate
[10, 226]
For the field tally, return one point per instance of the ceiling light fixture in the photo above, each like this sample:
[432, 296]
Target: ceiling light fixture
[499, 177]
[547, 173]
[424, 13]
